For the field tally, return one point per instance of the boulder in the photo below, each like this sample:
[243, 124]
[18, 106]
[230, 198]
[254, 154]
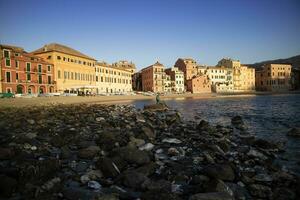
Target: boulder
[133, 155]
[294, 132]
[134, 179]
[89, 153]
[220, 171]
[156, 107]
[108, 167]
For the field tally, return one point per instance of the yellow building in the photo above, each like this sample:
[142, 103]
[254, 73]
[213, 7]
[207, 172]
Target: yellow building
[113, 79]
[74, 71]
[124, 64]
[243, 76]
[274, 77]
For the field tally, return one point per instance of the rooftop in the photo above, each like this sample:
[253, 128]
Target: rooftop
[61, 48]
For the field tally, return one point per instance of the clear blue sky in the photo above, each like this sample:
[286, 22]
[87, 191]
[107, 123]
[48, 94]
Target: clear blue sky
[146, 31]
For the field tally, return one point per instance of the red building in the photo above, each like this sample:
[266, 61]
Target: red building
[199, 84]
[24, 73]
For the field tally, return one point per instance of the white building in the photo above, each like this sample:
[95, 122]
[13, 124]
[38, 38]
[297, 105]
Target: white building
[177, 79]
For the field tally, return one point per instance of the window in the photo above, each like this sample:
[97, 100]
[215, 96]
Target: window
[40, 79]
[28, 66]
[97, 78]
[40, 68]
[6, 54]
[17, 76]
[58, 57]
[17, 54]
[65, 75]
[17, 64]
[49, 79]
[49, 57]
[64, 59]
[7, 62]
[49, 68]
[58, 74]
[8, 77]
[28, 77]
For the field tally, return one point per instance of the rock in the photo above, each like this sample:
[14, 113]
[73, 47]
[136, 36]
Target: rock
[260, 191]
[264, 144]
[237, 120]
[149, 132]
[100, 119]
[158, 185]
[108, 167]
[157, 195]
[211, 196]
[294, 132]
[262, 178]
[203, 125]
[133, 155]
[147, 147]
[94, 185]
[51, 183]
[89, 153]
[7, 185]
[256, 154]
[156, 107]
[220, 171]
[217, 186]
[94, 174]
[84, 179]
[31, 121]
[135, 142]
[108, 197]
[71, 193]
[31, 135]
[108, 140]
[134, 179]
[171, 140]
[173, 151]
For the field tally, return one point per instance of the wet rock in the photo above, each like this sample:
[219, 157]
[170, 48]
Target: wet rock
[294, 132]
[94, 185]
[262, 178]
[237, 120]
[157, 195]
[173, 151]
[89, 153]
[203, 125]
[256, 154]
[220, 171]
[51, 183]
[149, 132]
[264, 144]
[215, 185]
[136, 142]
[211, 196]
[260, 191]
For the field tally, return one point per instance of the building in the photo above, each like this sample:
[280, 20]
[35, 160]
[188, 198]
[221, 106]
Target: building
[112, 79]
[124, 64]
[167, 83]
[153, 78]
[274, 77]
[199, 84]
[243, 76]
[24, 73]
[188, 66]
[177, 79]
[221, 78]
[295, 76]
[73, 71]
[137, 81]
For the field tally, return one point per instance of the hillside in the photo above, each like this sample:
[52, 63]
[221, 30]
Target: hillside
[294, 61]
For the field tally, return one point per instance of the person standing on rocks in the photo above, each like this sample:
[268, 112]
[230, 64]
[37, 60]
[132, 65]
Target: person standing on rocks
[157, 98]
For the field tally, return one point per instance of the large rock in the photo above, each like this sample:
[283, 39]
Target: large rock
[294, 132]
[108, 140]
[220, 171]
[133, 155]
[134, 179]
[211, 196]
[156, 107]
[89, 153]
[108, 167]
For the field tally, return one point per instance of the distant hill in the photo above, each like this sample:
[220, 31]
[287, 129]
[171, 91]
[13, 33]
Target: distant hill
[294, 61]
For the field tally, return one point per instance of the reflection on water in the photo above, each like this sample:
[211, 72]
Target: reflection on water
[267, 116]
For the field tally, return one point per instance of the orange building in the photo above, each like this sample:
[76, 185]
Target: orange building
[188, 66]
[273, 77]
[24, 73]
[153, 78]
[199, 84]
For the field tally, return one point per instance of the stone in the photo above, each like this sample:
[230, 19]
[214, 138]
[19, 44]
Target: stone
[220, 171]
[262, 178]
[31, 121]
[147, 147]
[84, 179]
[6, 153]
[51, 183]
[172, 141]
[294, 132]
[72, 193]
[108, 167]
[136, 142]
[256, 154]
[158, 185]
[134, 179]
[149, 133]
[173, 151]
[89, 152]
[211, 196]
[260, 191]
[133, 155]
[265, 144]
[100, 119]
[157, 195]
[156, 107]
[215, 185]
[94, 185]
[237, 120]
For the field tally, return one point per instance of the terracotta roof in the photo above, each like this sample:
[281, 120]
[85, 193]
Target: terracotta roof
[61, 48]
[14, 48]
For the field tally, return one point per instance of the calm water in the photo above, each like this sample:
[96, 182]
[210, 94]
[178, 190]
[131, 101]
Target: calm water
[267, 116]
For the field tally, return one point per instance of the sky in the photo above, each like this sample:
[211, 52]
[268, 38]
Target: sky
[157, 30]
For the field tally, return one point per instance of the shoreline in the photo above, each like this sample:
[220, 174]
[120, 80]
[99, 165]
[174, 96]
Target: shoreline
[44, 101]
